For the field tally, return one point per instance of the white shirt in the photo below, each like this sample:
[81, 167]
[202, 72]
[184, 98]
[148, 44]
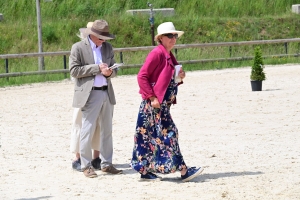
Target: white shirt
[100, 80]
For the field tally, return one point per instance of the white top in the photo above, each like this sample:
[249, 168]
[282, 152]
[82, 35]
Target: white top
[100, 80]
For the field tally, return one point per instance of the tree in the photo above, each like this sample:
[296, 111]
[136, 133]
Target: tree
[257, 70]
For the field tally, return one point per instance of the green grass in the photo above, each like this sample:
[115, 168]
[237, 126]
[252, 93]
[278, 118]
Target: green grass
[205, 21]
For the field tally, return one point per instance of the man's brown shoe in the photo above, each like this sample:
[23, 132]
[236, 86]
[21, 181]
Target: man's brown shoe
[111, 169]
[89, 172]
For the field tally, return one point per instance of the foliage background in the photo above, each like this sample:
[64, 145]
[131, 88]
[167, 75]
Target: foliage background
[204, 21]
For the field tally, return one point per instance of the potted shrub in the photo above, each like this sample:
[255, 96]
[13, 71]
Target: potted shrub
[257, 71]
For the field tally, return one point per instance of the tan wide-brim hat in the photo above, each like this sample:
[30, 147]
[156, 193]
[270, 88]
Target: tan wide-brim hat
[100, 29]
[167, 27]
[82, 30]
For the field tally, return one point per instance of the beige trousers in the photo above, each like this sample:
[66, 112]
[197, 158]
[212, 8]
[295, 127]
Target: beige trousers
[97, 111]
[75, 133]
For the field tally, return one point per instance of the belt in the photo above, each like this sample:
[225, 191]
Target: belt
[100, 88]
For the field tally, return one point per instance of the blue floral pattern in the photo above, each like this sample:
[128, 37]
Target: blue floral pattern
[156, 147]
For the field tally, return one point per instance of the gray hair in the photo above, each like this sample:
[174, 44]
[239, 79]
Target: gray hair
[81, 35]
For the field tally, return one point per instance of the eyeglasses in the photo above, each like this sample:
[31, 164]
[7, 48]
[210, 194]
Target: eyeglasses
[170, 35]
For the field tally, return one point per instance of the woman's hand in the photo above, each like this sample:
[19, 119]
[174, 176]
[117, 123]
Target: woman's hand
[154, 102]
[181, 73]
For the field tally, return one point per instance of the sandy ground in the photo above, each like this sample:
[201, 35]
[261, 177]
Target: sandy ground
[248, 142]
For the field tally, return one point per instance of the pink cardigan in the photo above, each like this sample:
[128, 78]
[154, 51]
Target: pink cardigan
[156, 73]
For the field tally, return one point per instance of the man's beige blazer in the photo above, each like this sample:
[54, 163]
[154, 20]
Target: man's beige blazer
[83, 68]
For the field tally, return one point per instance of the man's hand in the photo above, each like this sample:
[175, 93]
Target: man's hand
[104, 69]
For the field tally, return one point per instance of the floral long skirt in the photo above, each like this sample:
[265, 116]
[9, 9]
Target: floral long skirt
[156, 147]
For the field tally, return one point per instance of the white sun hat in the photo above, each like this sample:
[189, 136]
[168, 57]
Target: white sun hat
[167, 27]
[88, 25]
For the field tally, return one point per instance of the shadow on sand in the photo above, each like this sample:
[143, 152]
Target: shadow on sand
[204, 177]
[35, 198]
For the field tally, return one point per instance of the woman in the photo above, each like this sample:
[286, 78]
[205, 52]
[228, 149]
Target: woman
[76, 127]
[156, 147]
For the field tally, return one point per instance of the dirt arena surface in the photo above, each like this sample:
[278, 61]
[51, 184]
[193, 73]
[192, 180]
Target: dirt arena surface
[248, 142]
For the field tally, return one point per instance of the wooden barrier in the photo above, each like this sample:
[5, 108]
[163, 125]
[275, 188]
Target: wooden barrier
[147, 48]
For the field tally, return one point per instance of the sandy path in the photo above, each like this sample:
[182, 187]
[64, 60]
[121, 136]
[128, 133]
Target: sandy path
[247, 141]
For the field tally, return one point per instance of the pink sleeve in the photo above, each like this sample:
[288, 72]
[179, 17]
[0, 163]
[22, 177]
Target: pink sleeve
[145, 74]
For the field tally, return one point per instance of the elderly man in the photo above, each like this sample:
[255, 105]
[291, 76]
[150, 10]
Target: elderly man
[89, 64]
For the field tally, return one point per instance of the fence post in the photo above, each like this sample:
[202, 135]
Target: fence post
[6, 65]
[6, 68]
[121, 57]
[151, 19]
[40, 39]
[65, 65]
[230, 51]
[286, 47]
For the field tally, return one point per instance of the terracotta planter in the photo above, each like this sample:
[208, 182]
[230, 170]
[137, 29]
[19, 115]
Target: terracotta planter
[256, 85]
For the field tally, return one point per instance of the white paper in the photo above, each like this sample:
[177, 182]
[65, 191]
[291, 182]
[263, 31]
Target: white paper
[177, 69]
[116, 65]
